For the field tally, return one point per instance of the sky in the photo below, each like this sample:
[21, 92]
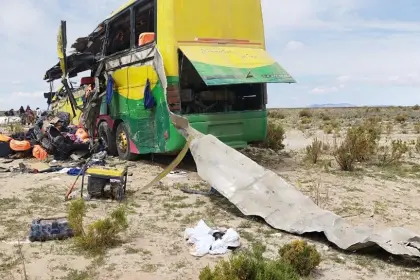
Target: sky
[339, 51]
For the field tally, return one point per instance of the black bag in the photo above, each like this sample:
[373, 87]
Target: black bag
[5, 150]
[64, 117]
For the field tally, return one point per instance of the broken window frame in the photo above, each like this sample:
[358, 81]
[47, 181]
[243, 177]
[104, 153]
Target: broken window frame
[133, 41]
[143, 6]
[108, 42]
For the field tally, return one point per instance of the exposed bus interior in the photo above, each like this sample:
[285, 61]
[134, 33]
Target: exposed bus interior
[145, 22]
[198, 98]
[120, 29]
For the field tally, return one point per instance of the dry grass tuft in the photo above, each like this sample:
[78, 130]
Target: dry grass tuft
[101, 234]
[314, 151]
[275, 136]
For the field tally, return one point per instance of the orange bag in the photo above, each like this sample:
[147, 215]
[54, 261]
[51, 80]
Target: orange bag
[4, 138]
[19, 146]
[39, 152]
[146, 37]
[81, 133]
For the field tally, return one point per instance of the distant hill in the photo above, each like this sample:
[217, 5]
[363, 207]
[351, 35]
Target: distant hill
[338, 105]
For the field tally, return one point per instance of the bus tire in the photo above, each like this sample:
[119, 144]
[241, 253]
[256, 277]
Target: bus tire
[108, 136]
[123, 143]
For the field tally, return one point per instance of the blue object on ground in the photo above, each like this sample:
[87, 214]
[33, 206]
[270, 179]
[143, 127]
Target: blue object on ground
[74, 171]
[50, 229]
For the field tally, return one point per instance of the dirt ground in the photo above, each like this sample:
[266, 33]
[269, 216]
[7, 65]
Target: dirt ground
[153, 246]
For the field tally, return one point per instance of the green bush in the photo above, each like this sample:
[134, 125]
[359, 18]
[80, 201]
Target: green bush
[15, 128]
[417, 128]
[275, 136]
[324, 116]
[305, 120]
[314, 151]
[250, 265]
[275, 114]
[296, 258]
[344, 156]
[393, 153]
[401, 118]
[305, 113]
[417, 145]
[101, 234]
[360, 144]
[301, 256]
[77, 211]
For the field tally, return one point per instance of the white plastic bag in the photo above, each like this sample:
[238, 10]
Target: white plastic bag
[191, 234]
[202, 245]
[229, 239]
[201, 236]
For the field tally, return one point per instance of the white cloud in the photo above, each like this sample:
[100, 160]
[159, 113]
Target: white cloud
[326, 90]
[410, 80]
[326, 15]
[294, 45]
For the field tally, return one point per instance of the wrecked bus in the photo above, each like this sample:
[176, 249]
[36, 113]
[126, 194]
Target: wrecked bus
[216, 65]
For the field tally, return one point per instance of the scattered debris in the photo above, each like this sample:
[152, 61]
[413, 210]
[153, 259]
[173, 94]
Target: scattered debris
[205, 240]
[177, 174]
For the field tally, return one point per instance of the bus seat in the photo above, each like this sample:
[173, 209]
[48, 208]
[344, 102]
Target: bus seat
[87, 81]
[146, 37]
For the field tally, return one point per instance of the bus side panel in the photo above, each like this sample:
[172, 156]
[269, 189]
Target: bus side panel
[235, 129]
[147, 127]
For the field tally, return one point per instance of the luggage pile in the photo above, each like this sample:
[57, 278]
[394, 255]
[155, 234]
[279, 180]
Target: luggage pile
[49, 136]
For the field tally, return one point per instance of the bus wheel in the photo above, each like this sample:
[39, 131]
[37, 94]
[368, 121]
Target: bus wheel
[123, 143]
[106, 134]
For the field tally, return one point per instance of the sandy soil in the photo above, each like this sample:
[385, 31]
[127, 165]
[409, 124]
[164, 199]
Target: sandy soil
[153, 247]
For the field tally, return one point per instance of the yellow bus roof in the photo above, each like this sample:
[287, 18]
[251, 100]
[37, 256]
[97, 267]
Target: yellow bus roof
[121, 8]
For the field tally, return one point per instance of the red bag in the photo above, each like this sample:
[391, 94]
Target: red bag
[39, 152]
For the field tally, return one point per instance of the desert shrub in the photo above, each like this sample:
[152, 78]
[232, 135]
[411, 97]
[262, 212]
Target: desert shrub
[300, 255]
[314, 151]
[401, 118]
[15, 128]
[101, 234]
[305, 120]
[275, 136]
[250, 265]
[392, 153]
[324, 116]
[276, 114]
[328, 129]
[417, 128]
[417, 145]
[360, 144]
[373, 127]
[389, 128]
[331, 126]
[305, 113]
[416, 107]
[344, 156]
[363, 141]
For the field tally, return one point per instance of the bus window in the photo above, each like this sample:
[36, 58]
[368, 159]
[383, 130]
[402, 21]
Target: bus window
[145, 23]
[119, 34]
